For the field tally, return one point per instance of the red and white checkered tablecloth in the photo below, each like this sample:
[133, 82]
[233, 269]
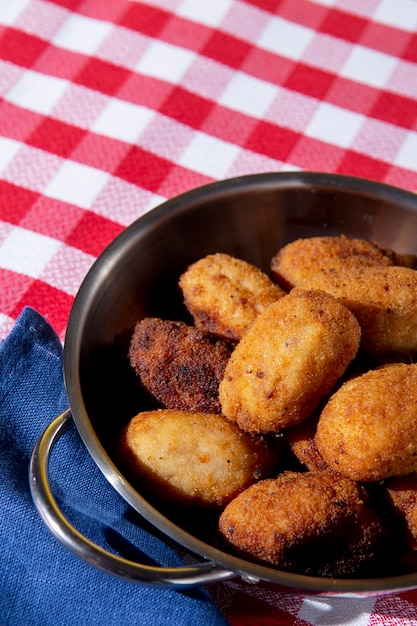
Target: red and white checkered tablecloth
[108, 107]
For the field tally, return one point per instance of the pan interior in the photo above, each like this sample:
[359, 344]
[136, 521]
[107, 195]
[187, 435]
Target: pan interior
[137, 276]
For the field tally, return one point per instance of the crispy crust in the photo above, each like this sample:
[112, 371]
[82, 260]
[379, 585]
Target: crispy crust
[225, 294]
[369, 280]
[178, 364]
[303, 260]
[368, 429]
[314, 523]
[288, 361]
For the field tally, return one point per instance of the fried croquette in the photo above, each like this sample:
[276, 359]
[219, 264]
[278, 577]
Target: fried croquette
[225, 294]
[314, 523]
[179, 365]
[402, 498]
[301, 442]
[192, 458]
[367, 431]
[370, 281]
[298, 263]
[288, 361]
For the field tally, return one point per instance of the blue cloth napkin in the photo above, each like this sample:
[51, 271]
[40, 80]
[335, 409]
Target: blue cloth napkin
[41, 582]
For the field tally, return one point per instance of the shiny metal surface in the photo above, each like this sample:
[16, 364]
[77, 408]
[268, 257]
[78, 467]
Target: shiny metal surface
[179, 577]
[249, 217]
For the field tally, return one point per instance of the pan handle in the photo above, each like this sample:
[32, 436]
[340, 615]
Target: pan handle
[174, 577]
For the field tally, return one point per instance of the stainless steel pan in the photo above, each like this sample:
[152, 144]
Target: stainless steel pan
[136, 276]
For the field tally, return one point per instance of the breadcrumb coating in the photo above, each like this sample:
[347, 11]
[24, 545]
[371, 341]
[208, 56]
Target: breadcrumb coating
[288, 361]
[225, 294]
[178, 364]
[367, 431]
[192, 458]
[372, 282]
[316, 523]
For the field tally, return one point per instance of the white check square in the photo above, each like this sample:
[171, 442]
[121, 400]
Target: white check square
[77, 184]
[285, 38]
[407, 154]
[210, 13]
[208, 155]
[82, 34]
[37, 92]
[334, 125]
[6, 325]
[8, 150]
[122, 120]
[368, 66]
[397, 13]
[9, 11]
[27, 252]
[164, 61]
[248, 95]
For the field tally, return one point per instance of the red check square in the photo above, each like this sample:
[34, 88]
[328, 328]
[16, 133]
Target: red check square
[53, 304]
[355, 164]
[343, 25]
[226, 49]
[309, 81]
[93, 233]
[395, 109]
[144, 18]
[186, 107]
[274, 141]
[20, 48]
[410, 52]
[144, 169]
[56, 137]
[102, 76]
[15, 202]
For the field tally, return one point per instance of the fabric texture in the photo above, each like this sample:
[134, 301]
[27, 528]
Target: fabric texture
[41, 582]
[108, 108]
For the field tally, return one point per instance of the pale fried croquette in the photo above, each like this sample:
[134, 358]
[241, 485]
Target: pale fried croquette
[192, 458]
[315, 523]
[225, 294]
[367, 431]
[288, 361]
[402, 497]
[178, 364]
[373, 284]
